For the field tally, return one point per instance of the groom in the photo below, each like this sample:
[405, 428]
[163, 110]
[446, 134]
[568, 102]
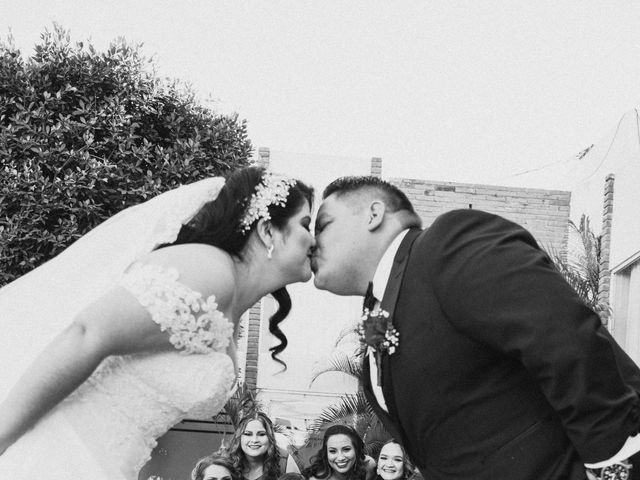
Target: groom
[501, 371]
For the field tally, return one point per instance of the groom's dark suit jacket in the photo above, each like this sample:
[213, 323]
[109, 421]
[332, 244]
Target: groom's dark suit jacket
[502, 372]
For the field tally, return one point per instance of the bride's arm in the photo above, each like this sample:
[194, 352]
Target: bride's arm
[115, 324]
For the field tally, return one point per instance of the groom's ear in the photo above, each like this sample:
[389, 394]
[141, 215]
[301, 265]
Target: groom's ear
[376, 212]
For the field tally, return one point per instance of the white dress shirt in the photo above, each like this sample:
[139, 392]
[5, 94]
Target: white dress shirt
[380, 279]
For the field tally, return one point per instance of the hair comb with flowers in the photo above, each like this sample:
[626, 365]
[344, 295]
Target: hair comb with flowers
[272, 190]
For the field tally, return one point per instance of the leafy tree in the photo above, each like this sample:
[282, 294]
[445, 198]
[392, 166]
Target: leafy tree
[85, 134]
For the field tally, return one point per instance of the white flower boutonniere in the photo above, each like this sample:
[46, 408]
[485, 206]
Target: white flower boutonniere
[376, 331]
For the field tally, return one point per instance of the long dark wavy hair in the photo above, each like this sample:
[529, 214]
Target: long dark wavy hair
[218, 224]
[319, 466]
[214, 459]
[271, 462]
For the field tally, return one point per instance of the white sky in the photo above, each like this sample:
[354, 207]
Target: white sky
[441, 90]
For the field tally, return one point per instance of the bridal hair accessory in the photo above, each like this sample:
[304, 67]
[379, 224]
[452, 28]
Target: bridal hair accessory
[376, 331]
[272, 190]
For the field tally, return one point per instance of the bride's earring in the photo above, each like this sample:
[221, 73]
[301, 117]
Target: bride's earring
[270, 252]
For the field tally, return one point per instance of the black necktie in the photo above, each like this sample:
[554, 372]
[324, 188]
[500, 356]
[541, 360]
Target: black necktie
[370, 303]
[369, 299]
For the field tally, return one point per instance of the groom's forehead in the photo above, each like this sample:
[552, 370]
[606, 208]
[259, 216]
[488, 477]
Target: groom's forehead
[332, 206]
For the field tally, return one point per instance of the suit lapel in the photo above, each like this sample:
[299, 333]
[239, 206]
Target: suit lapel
[400, 262]
[388, 303]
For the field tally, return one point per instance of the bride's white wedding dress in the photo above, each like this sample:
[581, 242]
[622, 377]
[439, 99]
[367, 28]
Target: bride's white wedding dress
[106, 429]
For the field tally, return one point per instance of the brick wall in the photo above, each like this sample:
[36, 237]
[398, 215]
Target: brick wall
[544, 213]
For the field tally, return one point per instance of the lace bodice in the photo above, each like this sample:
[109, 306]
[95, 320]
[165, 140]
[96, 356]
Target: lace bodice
[131, 400]
[195, 324]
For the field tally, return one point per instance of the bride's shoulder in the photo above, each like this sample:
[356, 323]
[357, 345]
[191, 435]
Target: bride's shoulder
[203, 268]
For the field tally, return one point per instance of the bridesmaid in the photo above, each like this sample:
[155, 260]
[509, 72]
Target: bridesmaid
[341, 456]
[392, 462]
[215, 467]
[254, 451]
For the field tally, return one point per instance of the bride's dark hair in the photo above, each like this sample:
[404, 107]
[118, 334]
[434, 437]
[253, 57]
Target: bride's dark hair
[218, 224]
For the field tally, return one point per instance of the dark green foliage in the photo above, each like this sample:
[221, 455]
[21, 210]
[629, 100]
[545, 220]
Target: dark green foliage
[84, 134]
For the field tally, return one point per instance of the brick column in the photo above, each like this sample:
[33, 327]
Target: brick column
[604, 283]
[253, 347]
[255, 312]
[264, 155]
[376, 167]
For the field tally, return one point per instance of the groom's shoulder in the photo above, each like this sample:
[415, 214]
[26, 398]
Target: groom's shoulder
[457, 221]
[465, 228]
[457, 225]
[464, 215]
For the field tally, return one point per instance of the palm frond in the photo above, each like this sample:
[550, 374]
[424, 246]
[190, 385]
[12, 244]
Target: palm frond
[242, 403]
[582, 269]
[349, 409]
[376, 433]
[341, 362]
[349, 330]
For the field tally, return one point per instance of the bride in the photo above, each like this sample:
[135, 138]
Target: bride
[131, 329]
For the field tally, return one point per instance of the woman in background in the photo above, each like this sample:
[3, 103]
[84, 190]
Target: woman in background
[392, 462]
[254, 450]
[215, 467]
[341, 456]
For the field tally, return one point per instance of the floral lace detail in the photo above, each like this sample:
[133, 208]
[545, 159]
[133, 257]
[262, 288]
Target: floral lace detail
[195, 324]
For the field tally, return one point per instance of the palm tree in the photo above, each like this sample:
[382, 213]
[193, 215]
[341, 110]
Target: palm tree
[581, 266]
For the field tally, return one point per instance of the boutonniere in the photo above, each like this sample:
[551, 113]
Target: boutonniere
[376, 331]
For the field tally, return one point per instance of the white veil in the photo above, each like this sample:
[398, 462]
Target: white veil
[37, 306]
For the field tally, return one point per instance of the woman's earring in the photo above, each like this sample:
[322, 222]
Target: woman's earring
[269, 252]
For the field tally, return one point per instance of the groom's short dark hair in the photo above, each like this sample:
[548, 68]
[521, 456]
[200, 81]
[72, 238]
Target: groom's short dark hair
[394, 198]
